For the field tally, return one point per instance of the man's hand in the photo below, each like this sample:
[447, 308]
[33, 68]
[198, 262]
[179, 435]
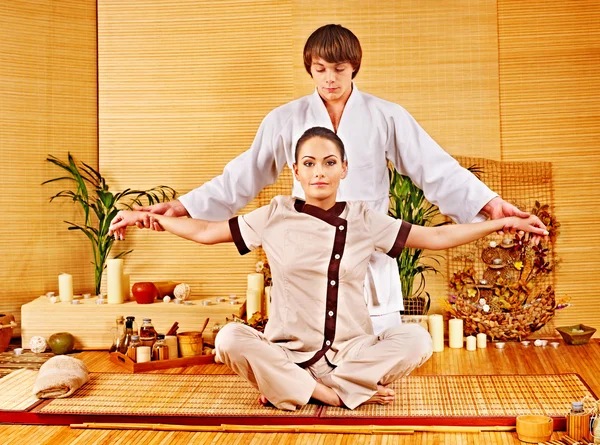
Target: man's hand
[499, 208]
[531, 224]
[171, 208]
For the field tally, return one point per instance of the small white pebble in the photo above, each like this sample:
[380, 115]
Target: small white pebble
[53, 300]
[493, 243]
[167, 299]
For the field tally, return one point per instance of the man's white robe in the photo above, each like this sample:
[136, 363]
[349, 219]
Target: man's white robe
[373, 131]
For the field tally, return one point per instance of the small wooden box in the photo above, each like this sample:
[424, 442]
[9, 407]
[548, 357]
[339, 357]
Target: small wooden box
[133, 367]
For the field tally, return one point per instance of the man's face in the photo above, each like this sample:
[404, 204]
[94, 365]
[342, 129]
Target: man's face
[333, 80]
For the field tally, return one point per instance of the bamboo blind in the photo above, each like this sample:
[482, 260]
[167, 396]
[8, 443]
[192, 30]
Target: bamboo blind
[550, 103]
[183, 87]
[439, 60]
[47, 106]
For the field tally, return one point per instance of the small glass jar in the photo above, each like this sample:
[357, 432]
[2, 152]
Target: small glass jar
[132, 347]
[147, 333]
[160, 350]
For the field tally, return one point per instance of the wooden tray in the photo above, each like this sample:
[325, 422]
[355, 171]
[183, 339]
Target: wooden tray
[133, 367]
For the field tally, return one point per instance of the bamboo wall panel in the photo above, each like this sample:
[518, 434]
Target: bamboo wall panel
[48, 105]
[183, 87]
[550, 103]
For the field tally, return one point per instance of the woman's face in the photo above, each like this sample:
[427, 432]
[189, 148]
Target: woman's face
[319, 170]
[333, 80]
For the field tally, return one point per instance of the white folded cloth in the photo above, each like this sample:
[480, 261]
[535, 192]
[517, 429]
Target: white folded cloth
[60, 377]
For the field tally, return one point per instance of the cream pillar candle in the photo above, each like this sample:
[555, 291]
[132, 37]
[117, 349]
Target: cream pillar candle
[436, 330]
[126, 287]
[471, 343]
[268, 300]
[253, 300]
[481, 340]
[65, 287]
[256, 281]
[455, 332]
[114, 275]
[143, 354]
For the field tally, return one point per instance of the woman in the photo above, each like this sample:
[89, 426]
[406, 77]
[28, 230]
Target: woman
[375, 131]
[319, 340]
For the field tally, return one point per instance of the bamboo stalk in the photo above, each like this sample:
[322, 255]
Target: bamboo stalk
[326, 429]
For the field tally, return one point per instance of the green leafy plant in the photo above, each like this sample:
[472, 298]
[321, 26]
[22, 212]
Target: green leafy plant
[100, 206]
[408, 203]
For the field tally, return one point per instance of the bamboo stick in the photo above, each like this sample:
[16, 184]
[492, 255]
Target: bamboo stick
[327, 429]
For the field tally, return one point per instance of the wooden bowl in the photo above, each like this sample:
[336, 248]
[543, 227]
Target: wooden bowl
[576, 338]
[7, 323]
[534, 429]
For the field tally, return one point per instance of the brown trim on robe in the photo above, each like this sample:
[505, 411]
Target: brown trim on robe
[234, 227]
[331, 217]
[400, 239]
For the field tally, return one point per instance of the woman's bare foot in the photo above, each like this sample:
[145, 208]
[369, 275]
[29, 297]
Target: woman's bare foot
[383, 396]
[264, 401]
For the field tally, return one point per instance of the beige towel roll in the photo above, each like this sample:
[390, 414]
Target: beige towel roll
[60, 377]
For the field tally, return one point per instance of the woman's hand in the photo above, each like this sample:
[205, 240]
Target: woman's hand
[171, 208]
[530, 224]
[127, 218]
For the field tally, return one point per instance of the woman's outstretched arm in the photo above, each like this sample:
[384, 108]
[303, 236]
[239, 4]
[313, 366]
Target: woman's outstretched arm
[197, 230]
[445, 237]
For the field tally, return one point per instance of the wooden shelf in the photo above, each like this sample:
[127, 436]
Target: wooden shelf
[92, 324]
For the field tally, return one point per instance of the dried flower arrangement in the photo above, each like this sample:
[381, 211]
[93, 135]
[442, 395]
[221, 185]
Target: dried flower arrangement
[264, 268]
[513, 298]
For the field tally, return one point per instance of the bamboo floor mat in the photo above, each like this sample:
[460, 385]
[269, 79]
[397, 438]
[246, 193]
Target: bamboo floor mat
[169, 395]
[15, 390]
[451, 399]
[476, 396]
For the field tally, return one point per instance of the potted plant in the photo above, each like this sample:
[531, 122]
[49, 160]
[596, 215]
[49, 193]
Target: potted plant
[100, 206]
[408, 203]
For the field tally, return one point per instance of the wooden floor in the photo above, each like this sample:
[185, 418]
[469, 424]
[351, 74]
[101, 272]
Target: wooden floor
[514, 359]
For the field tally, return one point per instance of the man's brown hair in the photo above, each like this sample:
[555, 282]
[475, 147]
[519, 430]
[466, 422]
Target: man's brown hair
[334, 44]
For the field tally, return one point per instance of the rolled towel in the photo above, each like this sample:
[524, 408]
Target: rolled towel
[60, 377]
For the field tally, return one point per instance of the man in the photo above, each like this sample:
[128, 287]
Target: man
[374, 131]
